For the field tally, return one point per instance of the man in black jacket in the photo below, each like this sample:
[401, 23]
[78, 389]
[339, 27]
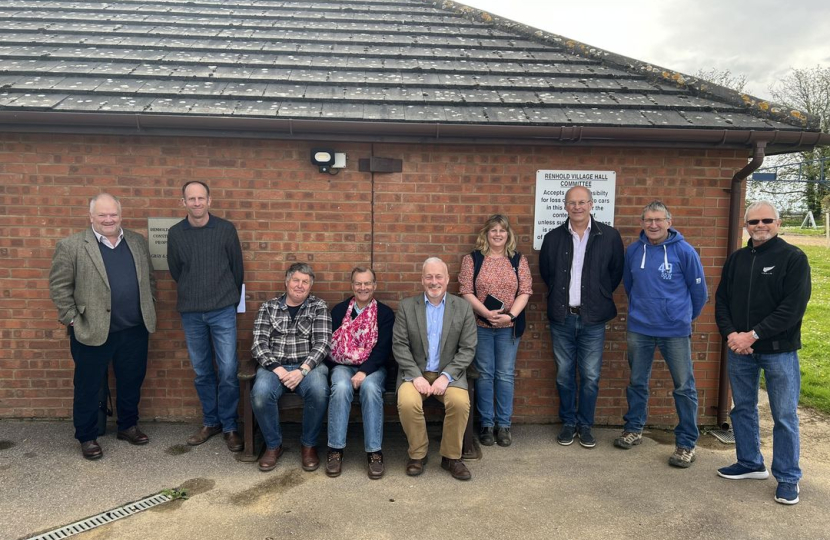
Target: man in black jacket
[581, 262]
[760, 303]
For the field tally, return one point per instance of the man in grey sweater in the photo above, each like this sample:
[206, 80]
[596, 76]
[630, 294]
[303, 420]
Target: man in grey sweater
[205, 260]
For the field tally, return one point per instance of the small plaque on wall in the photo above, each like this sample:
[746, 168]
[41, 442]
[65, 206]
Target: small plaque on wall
[157, 238]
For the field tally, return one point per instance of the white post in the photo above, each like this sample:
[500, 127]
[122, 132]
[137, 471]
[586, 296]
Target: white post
[827, 227]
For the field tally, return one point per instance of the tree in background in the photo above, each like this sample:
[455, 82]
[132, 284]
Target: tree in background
[808, 89]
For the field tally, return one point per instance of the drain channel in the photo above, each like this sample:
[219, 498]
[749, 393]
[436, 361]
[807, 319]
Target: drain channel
[726, 436]
[103, 518]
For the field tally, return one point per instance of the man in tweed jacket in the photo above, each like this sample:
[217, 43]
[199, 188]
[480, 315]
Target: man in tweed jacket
[103, 286]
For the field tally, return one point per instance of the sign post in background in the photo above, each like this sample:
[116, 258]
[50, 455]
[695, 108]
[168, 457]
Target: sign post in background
[551, 187]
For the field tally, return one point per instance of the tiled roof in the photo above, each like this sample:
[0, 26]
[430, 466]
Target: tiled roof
[403, 61]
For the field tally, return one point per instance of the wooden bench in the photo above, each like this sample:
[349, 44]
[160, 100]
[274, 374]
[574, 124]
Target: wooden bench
[292, 402]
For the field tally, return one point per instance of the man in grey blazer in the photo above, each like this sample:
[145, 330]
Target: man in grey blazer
[434, 340]
[103, 286]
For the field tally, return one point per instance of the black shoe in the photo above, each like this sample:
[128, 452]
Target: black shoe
[566, 436]
[586, 439]
[486, 436]
[503, 437]
[91, 450]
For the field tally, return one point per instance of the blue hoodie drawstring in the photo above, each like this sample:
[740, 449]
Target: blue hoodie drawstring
[665, 257]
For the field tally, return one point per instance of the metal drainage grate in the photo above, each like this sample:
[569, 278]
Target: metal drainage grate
[103, 518]
[726, 436]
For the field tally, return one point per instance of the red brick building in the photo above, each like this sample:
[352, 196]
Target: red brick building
[137, 101]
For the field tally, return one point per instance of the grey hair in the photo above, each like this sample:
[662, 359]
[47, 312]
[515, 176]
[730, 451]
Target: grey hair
[759, 204]
[435, 260]
[94, 200]
[655, 206]
[361, 270]
[302, 268]
[590, 195]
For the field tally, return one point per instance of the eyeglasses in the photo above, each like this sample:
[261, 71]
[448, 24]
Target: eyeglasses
[572, 204]
[765, 221]
[654, 221]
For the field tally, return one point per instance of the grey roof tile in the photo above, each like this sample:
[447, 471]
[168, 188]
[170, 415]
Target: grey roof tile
[375, 60]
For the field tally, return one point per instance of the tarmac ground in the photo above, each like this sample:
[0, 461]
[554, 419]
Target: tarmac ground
[533, 489]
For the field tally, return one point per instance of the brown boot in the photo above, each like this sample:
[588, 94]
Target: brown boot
[234, 441]
[205, 433]
[457, 469]
[310, 459]
[269, 459]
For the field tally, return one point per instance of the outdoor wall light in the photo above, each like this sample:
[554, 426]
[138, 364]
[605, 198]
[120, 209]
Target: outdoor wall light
[323, 158]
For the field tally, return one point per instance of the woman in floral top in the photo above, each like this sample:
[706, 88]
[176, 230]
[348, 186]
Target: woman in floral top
[498, 332]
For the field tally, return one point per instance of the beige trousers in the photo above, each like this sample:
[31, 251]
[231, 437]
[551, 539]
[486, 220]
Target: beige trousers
[456, 412]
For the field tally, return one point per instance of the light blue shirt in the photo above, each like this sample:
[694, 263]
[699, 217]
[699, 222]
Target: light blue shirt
[435, 324]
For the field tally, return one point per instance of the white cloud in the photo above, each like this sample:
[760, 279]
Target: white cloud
[761, 40]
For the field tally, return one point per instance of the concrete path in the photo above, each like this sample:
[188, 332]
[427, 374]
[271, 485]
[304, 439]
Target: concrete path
[534, 489]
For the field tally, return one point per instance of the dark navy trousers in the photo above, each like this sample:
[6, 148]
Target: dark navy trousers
[128, 351]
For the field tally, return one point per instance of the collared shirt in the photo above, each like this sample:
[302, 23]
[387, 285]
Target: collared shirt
[104, 240]
[435, 324]
[280, 340]
[575, 289]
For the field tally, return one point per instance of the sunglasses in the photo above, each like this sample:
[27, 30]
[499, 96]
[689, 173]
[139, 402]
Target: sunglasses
[765, 221]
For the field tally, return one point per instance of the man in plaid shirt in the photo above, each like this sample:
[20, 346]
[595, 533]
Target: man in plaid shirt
[292, 334]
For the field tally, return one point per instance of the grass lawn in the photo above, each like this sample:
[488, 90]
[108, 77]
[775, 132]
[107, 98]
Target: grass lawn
[815, 334]
[798, 231]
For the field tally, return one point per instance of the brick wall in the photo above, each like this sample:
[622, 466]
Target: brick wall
[286, 211]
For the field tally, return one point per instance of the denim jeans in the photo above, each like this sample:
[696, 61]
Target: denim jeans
[577, 346]
[314, 389]
[371, 406]
[677, 353]
[209, 334]
[781, 372]
[495, 361]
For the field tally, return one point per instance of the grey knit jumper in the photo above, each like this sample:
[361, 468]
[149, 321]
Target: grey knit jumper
[206, 263]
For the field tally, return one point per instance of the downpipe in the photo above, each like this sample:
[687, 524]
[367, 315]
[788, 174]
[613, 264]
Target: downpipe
[733, 244]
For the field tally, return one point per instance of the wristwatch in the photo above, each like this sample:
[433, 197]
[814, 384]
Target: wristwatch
[755, 335]
[304, 370]
[512, 317]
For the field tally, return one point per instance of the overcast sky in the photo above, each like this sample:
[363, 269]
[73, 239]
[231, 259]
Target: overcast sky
[761, 40]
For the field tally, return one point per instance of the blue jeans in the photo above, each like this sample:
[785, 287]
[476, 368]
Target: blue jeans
[495, 361]
[209, 334]
[314, 389]
[371, 406]
[577, 346]
[677, 353]
[781, 372]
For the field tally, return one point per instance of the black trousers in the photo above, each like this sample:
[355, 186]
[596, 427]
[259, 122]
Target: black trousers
[128, 351]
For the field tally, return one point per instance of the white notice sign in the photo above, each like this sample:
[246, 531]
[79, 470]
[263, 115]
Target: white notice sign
[550, 198]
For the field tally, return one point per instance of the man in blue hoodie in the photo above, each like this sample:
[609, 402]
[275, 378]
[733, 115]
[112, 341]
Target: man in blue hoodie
[666, 290]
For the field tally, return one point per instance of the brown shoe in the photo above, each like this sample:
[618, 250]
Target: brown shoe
[414, 467]
[457, 469]
[234, 441]
[91, 450]
[310, 459]
[334, 463]
[205, 433]
[375, 465]
[269, 459]
[133, 435]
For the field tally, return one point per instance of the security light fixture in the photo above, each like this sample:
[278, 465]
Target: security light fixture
[323, 158]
